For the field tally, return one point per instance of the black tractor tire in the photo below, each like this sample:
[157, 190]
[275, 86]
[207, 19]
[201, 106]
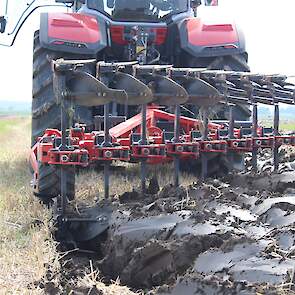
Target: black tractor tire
[45, 110]
[220, 165]
[236, 63]
[48, 186]
[46, 114]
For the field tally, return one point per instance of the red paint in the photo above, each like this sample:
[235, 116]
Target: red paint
[73, 27]
[157, 151]
[33, 158]
[117, 35]
[153, 114]
[161, 34]
[200, 34]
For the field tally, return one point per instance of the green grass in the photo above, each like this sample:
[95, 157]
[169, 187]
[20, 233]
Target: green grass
[285, 125]
[10, 123]
[5, 125]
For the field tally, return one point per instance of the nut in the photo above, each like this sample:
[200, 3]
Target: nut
[108, 154]
[145, 151]
[64, 158]
[179, 148]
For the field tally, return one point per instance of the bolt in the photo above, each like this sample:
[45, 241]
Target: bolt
[208, 146]
[179, 148]
[102, 219]
[235, 144]
[145, 151]
[64, 158]
[108, 154]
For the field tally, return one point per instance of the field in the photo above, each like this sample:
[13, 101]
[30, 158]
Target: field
[286, 125]
[30, 263]
[24, 245]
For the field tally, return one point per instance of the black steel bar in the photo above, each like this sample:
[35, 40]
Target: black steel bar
[59, 80]
[254, 134]
[235, 99]
[107, 139]
[176, 140]
[107, 143]
[143, 141]
[276, 133]
[105, 76]
[231, 134]
[238, 124]
[143, 125]
[231, 121]
[276, 122]
[204, 158]
[63, 171]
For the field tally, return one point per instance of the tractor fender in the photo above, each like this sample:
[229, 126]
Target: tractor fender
[208, 39]
[72, 32]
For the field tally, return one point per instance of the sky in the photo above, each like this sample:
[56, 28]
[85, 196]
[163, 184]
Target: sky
[268, 26]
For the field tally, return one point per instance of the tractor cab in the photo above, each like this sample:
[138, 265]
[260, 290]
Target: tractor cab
[146, 10]
[13, 14]
[139, 10]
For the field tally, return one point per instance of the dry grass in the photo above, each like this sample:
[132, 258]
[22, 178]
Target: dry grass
[23, 248]
[92, 281]
[26, 249]
[125, 177]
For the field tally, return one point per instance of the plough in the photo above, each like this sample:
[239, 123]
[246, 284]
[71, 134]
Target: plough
[156, 136]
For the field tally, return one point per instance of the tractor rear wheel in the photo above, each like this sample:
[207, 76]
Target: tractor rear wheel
[237, 63]
[46, 114]
[48, 185]
[45, 110]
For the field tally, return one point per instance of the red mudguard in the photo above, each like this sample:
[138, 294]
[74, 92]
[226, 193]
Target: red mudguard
[72, 32]
[210, 39]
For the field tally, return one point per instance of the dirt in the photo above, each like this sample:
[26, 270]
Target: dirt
[230, 236]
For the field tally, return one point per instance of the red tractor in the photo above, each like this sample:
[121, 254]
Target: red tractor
[152, 32]
[94, 66]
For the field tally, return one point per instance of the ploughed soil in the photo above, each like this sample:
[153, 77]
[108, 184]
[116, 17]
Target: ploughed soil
[228, 236]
